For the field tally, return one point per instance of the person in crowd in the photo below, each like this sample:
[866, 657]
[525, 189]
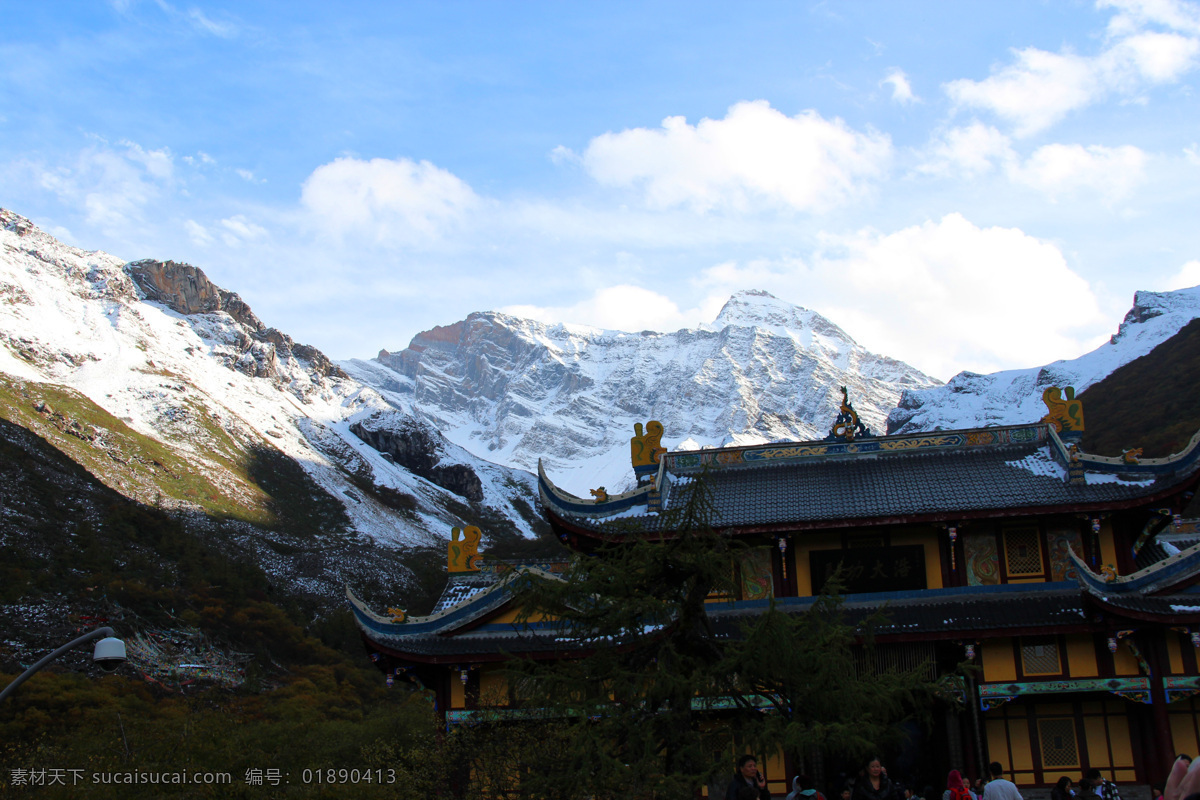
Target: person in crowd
[747, 776]
[1100, 786]
[957, 787]
[999, 788]
[803, 789]
[875, 784]
[1062, 790]
[1184, 780]
[846, 792]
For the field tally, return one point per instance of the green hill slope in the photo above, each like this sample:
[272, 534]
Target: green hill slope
[1151, 402]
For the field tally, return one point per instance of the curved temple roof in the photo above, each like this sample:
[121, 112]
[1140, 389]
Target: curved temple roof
[934, 476]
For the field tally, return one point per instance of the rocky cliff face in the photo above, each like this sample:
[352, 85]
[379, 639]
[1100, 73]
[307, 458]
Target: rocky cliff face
[186, 289]
[419, 449]
[257, 349]
[514, 390]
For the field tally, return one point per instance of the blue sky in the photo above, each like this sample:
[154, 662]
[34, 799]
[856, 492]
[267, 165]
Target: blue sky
[960, 185]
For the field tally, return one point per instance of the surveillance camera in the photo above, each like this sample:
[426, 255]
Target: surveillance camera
[109, 654]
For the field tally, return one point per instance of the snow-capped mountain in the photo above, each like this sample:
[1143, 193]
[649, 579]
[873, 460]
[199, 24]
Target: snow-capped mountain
[170, 390]
[513, 390]
[971, 400]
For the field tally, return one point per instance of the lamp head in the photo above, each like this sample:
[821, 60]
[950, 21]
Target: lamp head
[109, 654]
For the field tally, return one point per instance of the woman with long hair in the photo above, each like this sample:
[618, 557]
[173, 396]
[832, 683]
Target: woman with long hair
[1062, 790]
[875, 784]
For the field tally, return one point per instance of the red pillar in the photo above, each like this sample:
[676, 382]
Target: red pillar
[1161, 751]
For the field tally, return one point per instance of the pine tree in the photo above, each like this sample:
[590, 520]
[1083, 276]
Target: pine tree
[636, 701]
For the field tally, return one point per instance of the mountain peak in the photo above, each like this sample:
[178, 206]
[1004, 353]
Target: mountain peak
[756, 308]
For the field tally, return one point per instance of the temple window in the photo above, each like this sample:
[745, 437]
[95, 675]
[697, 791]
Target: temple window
[1023, 552]
[1058, 744]
[1041, 658]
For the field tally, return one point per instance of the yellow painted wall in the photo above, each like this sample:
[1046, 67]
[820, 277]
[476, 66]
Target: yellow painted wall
[1175, 658]
[777, 779]
[997, 740]
[803, 545]
[1098, 733]
[493, 688]
[511, 616]
[1182, 716]
[1053, 710]
[1097, 741]
[1022, 756]
[998, 662]
[1108, 551]
[1081, 657]
[1118, 731]
[1008, 739]
[458, 692]
[1124, 662]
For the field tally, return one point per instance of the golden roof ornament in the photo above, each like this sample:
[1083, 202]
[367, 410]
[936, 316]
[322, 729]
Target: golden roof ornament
[1065, 415]
[847, 426]
[463, 555]
[646, 450]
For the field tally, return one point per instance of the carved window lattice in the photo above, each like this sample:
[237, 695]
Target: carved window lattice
[1023, 551]
[891, 658]
[1058, 743]
[1041, 658]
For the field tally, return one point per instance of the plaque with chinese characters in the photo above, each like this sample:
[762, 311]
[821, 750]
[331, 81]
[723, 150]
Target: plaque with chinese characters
[871, 569]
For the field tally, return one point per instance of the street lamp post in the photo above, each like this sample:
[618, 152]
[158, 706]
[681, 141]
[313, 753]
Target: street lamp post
[108, 655]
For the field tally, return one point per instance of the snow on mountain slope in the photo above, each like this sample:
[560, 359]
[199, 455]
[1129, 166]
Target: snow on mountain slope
[1014, 396]
[185, 368]
[514, 390]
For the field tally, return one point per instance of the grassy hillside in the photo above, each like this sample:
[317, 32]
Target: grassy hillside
[235, 478]
[74, 554]
[1149, 403]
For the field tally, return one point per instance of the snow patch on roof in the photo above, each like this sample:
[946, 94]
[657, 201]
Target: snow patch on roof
[1040, 462]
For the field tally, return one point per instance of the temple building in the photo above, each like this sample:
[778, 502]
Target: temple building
[1070, 580]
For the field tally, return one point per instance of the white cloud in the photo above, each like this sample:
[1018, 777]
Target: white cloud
[621, 308]
[754, 154]
[112, 185]
[565, 155]
[902, 91]
[1039, 88]
[193, 18]
[201, 22]
[1055, 169]
[198, 233]
[237, 229]
[1187, 277]
[1034, 93]
[1192, 154]
[201, 157]
[968, 151]
[386, 199]
[1154, 57]
[157, 163]
[943, 296]
[1065, 168]
[1133, 15]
